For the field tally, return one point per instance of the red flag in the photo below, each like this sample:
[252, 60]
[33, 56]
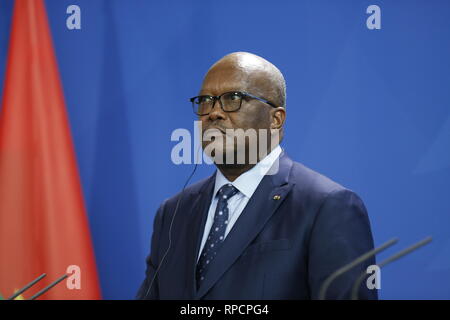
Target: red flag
[43, 224]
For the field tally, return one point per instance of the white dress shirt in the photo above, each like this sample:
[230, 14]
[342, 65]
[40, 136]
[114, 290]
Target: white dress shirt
[246, 183]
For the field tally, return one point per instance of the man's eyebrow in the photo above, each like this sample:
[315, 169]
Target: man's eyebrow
[229, 89]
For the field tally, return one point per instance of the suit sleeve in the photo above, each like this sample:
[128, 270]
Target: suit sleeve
[340, 234]
[149, 289]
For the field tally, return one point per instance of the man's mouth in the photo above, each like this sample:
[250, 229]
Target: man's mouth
[222, 130]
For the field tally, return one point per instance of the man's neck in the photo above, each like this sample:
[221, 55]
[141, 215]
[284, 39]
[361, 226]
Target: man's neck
[233, 171]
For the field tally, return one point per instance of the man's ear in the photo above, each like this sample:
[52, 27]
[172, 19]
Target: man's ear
[278, 116]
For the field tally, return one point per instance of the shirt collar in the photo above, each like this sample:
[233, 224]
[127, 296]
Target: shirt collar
[247, 182]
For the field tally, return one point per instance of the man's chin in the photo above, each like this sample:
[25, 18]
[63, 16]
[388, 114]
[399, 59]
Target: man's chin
[218, 154]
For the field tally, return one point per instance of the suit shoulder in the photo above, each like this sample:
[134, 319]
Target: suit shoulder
[316, 187]
[194, 188]
[314, 190]
[313, 181]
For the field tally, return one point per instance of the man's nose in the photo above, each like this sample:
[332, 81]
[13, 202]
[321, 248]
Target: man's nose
[217, 113]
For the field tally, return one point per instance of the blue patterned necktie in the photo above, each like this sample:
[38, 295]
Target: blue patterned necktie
[217, 232]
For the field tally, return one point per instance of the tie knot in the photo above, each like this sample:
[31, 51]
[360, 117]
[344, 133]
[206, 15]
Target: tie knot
[227, 191]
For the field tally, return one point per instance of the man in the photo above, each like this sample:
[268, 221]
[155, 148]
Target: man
[267, 229]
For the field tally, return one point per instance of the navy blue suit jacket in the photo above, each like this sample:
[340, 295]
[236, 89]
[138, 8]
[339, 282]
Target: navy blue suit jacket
[277, 249]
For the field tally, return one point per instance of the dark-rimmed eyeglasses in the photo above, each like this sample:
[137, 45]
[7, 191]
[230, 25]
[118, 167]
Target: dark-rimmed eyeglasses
[229, 102]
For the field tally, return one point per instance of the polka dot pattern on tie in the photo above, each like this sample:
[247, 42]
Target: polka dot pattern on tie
[217, 233]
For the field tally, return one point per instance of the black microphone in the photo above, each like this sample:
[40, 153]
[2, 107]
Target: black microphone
[392, 258]
[51, 285]
[354, 263]
[28, 286]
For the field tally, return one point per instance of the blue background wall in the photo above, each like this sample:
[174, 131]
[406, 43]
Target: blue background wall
[368, 108]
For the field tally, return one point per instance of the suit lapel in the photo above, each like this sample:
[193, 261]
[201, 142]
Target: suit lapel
[196, 226]
[257, 212]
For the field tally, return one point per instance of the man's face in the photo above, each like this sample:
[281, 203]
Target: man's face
[253, 114]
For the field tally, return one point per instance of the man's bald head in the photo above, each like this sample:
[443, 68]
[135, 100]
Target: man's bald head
[261, 111]
[259, 76]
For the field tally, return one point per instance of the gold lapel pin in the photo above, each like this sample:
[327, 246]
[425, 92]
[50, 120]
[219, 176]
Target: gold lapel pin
[276, 197]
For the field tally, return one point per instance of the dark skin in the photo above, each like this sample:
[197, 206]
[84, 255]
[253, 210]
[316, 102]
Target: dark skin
[249, 73]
